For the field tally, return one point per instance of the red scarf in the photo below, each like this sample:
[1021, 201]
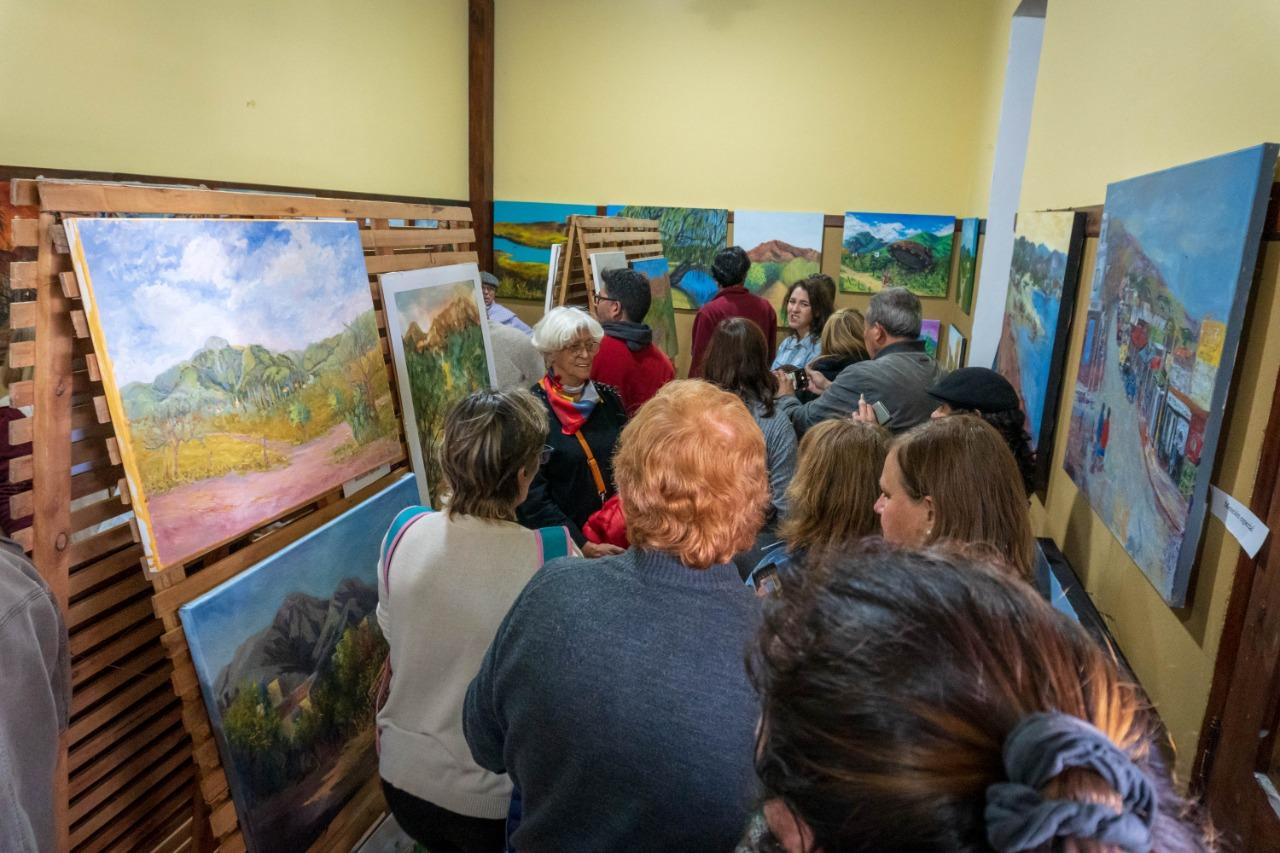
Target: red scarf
[571, 413]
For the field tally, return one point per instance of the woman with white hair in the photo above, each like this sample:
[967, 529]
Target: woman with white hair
[586, 419]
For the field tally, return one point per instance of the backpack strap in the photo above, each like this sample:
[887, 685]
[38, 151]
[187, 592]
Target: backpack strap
[553, 543]
[403, 520]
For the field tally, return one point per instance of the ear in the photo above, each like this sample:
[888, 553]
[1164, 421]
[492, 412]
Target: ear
[927, 500]
[790, 831]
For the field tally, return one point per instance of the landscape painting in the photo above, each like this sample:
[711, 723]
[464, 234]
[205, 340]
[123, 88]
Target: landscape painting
[1041, 298]
[1176, 257]
[908, 250]
[523, 234]
[442, 353]
[783, 247]
[930, 330]
[968, 270]
[242, 368]
[662, 316]
[691, 236]
[956, 345]
[287, 654]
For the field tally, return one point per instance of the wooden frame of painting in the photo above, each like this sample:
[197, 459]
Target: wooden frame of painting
[441, 349]
[1043, 277]
[1176, 258]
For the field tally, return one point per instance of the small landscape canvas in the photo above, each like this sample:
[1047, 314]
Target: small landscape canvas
[956, 345]
[880, 250]
[662, 316]
[1176, 257]
[442, 353]
[968, 270]
[784, 248]
[241, 365]
[553, 269]
[523, 234]
[691, 236]
[929, 332]
[602, 262]
[1041, 298]
[286, 654]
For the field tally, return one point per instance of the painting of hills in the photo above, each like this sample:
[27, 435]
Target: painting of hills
[691, 236]
[523, 234]
[242, 369]
[1032, 351]
[286, 654]
[442, 353]
[662, 316]
[1176, 256]
[908, 250]
[930, 331]
[783, 247]
[968, 271]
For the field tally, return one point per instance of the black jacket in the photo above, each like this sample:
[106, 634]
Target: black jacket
[564, 492]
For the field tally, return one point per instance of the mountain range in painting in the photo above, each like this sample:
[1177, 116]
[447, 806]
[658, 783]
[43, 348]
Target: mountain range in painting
[883, 250]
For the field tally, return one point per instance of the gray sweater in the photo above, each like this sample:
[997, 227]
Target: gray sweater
[615, 696]
[780, 453]
[898, 376]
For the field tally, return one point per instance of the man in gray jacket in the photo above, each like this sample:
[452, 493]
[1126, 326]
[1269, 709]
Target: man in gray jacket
[898, 374]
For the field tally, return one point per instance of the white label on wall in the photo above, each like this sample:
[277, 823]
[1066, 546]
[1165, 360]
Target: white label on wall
[1246, 527]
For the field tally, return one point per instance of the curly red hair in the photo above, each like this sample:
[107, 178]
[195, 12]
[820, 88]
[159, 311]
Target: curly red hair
[690, 469]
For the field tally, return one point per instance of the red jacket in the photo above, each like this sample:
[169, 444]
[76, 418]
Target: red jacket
[607, 525]
[734, 301]
[636, 374]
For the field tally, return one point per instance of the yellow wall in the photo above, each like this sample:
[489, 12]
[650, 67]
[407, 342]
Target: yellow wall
[315, 93]
[1125, 89]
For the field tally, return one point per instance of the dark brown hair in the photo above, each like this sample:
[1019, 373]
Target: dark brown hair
[832, 497]
[488, 437]
[821, 302]
[889, 682]
[963, 463]
[737, 359]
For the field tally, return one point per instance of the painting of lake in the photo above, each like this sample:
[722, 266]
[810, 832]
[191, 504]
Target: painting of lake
[286, 654]
[241, 366]
[880, 250]
[691, 236]
[523, 234]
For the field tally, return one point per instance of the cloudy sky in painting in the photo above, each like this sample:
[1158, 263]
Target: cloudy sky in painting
[753, 227]
[896, 226]
[162, 287]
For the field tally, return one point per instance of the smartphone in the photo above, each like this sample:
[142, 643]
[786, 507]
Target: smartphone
[882, 413]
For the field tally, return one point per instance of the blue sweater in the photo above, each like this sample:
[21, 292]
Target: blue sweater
[615, 695]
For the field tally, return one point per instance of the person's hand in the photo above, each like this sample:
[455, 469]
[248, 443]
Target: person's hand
[817, 381]
[591, 550]
[864, 412]
[786, 383]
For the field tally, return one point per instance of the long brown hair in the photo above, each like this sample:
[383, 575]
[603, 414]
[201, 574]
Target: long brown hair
[737, 359]
[890, 680]
[963, 463]
[831, 499]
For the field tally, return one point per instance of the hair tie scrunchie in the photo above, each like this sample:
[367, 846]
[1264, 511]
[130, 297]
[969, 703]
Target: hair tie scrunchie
[1039, 748]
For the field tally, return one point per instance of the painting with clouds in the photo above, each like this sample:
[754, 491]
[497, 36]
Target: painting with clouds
[242, 368]
[908, 250]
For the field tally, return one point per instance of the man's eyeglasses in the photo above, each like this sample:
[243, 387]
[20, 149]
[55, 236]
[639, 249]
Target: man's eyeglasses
[600, 297]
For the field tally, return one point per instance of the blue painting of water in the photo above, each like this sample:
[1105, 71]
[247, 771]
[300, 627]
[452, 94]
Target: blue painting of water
[698, 285]
[519, 252]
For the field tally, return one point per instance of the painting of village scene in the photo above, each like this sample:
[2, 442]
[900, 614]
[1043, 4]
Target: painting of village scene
[662, 316]
[442, 353]
[1032, 351]
[967, 273]
[523, 234]
[691, 236]
[880, 250]
[1175, 262]
[783, 247]
[287, 654]
[242, 368]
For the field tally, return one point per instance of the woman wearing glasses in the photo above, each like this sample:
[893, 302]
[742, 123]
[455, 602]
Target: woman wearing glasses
[586, 419]
[445, 581]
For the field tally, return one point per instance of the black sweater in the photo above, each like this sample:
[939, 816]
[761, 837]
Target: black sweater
[564, 492]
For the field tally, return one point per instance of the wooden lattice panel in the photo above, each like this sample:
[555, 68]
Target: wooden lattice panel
[637, 238]
[142, 769]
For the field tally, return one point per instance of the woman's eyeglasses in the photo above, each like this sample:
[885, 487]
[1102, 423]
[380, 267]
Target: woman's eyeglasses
[584, 347]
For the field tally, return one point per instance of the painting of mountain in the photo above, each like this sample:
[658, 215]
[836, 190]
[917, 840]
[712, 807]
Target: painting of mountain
[1032, 351]
[662, 316]
[691, 236]
[523, 234]
[908, 250]
[286, 654]
[930, 331]
[442, 353]
[968, 272]
[241, 365]
[1176, 256]
[783, 247]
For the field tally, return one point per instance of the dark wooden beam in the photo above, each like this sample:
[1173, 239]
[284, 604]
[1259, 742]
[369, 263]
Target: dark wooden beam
[480, 91]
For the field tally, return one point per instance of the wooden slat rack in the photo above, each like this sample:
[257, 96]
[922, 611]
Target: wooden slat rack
[638, 238]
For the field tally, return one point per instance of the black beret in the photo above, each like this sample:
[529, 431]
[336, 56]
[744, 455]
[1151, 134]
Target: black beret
[976, 388]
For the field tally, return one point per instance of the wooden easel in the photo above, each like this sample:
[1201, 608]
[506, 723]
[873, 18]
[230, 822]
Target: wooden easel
[638, 238]
[140, 768]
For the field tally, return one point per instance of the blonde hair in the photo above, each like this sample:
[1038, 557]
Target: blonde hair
[832, 497]
[690, 469]
[964, 464]
[561, 325]
[488, 437]
[843, 334]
